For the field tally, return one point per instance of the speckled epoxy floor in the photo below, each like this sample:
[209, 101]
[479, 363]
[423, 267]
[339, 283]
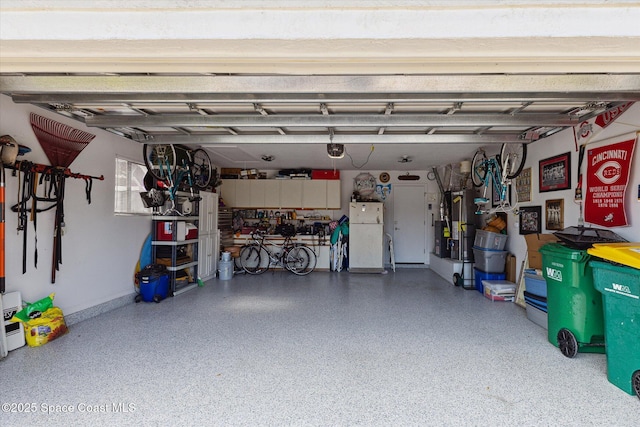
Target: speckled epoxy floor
[329, 349]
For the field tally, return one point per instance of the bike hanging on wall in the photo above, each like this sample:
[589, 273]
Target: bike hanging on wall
[177, 165]
[496, 174]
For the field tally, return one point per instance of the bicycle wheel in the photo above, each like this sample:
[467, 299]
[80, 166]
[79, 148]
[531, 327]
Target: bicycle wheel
[512, 157]
[300, 260]
[200, 168]
[478, 168]
[160, 160]
[251, 259]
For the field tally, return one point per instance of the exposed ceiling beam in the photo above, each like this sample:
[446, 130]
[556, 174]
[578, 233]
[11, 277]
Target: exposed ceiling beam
[333, 120]
[200, 88]
[313, 98]
[338, 139]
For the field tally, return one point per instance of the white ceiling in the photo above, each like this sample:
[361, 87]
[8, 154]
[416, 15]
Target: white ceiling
[432, 80]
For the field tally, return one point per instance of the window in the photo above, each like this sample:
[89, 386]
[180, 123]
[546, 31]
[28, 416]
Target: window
[129, 185]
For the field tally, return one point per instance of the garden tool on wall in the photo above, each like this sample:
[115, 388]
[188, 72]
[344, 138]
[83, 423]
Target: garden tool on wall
[9, 151]
[61, 144]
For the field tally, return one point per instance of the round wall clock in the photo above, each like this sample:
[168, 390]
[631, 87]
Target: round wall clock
[384, 177]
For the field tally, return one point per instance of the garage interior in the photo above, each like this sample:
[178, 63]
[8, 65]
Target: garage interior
[248, 81]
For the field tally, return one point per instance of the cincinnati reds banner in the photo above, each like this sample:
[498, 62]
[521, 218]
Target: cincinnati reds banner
[607, 177]
[589, 128]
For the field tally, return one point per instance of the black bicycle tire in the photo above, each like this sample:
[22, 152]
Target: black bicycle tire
[520, 165]
[478, 158]
[149, 154]
[247, 251]
[200, 179]
[308, 267]
[304, 268]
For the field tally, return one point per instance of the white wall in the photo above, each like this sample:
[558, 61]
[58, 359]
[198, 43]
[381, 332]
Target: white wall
[99, 249]
[622, 129]
[431, 188]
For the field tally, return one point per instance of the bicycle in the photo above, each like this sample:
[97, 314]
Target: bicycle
[176, 164]
[256, 257]
[499, 172]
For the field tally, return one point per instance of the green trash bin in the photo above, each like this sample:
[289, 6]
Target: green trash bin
[574, 306]
[620, 288]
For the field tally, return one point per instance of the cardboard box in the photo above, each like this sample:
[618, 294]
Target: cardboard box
[534, 243]
[510, 268]
[230, 171]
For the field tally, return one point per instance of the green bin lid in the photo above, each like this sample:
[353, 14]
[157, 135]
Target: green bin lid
[559, 250]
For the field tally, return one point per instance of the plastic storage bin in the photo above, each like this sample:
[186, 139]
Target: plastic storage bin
[488, 260]
[574, 306]
[620, 288]
[489, 240]
[499, 290]
[479, 276]
[537, 316]
[536, 301]
[535, 284]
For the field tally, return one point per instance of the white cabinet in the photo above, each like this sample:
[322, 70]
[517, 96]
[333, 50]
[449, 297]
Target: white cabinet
[314, 194]
[322, 253]
[291, 193]
[287, 194]
[271, 193]
[208, 249]
[243, 193]
[228, 192]
[333, 193]
[208, 240]
[208, 213]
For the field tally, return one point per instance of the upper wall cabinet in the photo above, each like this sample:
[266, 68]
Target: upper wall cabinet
[274, 193]
[290, 194]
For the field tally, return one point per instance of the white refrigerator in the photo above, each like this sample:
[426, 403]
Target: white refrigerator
[366, 237]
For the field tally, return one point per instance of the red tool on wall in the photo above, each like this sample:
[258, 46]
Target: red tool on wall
[9, 150]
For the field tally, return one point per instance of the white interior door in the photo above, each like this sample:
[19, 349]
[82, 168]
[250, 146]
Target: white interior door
[409, 227]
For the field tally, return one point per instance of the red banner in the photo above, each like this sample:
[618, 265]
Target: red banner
[607, 177]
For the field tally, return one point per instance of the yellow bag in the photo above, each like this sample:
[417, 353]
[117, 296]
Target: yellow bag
[45, 328]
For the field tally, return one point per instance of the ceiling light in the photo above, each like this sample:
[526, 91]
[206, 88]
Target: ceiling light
[405, 159]
[267, 158]
[335, 151]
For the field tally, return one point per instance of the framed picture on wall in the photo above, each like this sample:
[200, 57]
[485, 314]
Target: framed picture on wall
[555, 173]
[530, 219]
[554, 212]
[523, 185]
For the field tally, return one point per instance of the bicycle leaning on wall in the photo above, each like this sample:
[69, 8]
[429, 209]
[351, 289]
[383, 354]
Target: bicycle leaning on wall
[257, 257]
[495, 174]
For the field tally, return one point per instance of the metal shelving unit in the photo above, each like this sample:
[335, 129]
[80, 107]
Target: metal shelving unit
[183, 253]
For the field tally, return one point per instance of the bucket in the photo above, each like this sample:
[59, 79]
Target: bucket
[226, 256]
[225, 270]
[154, 287]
